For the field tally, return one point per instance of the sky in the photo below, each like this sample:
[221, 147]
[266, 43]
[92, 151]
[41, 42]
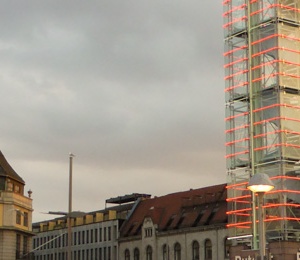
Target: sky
[134, 89]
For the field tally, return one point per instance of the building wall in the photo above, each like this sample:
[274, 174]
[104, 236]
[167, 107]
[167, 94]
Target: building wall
[188, 225]
[89, 241]
[15, 220]
[7, 244]
[184, 237]
[94, 234]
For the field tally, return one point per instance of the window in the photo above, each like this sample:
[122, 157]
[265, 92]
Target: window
[96, 235]
[100, 253]
[25, 219]
[177, 251]
[208, 249]
[74, 239]
[64, 239]
[115, 234]
[148, 232]
[83, 237]
[54, 243]
[149, 253]
[211, 216]
[195, 250]
[18, 217]
[165, 252]
[136, 254]
[127, 254]
[109, 253]
[109, 233]
[9, 186]
[34, 243]
[18, 245]
[170, 222]
[17, 188]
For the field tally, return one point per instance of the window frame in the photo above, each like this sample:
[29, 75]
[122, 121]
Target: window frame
[149, 252]
[18, 217]
[165, 252]
[195, 250]
[127, 254]
[207, 249]
[136, 254]
[177, 251]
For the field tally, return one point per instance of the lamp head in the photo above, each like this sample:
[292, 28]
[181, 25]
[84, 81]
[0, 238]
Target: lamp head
[260, 182]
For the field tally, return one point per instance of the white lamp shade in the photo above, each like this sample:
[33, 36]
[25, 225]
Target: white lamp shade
[260, 182]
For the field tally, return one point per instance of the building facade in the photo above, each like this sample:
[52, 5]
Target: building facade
[179, 226]
[94, 234]
[15, 214]
[262, 86]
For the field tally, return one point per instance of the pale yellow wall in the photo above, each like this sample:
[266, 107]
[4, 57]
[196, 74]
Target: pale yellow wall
[1, 215]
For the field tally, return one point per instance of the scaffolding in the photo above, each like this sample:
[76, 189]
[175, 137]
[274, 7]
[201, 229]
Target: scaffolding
[262, 94]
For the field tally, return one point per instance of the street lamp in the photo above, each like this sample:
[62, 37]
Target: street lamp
[70, 206]
[260, 183]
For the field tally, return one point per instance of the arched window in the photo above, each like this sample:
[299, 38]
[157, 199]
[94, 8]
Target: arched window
[149, 253]
[165, 252]
[195, 250]
[136, 254]
[208, 249]
[177, 251]
[127, 254]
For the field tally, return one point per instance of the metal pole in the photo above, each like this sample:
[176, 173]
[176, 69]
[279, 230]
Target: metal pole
[262, 236]
[251, 117]
[70, 207]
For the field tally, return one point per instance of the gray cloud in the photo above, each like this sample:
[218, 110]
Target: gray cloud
[133, 88]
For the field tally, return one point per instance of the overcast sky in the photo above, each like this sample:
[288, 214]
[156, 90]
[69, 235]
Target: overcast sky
[133, 88]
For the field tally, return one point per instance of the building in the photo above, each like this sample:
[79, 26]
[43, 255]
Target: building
[180, 226]
[94, 234]
[262, 86]
[15, 214]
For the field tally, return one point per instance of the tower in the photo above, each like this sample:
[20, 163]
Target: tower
[15, 214]
[262, 93]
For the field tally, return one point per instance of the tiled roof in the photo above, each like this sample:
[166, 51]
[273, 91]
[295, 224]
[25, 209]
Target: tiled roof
[198, 207]
[7, 171]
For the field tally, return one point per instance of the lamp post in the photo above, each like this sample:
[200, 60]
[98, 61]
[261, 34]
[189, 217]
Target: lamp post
[70, 206]
[260, 183]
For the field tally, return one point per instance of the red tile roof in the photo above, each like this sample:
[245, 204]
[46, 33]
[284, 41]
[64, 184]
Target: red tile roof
[198, 207]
